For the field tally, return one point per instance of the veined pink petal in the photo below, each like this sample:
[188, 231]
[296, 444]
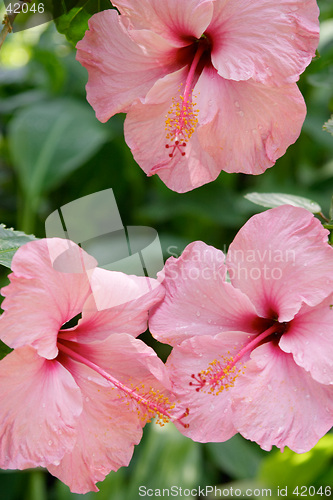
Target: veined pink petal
[310, 340]
[40, 298]
[245, 126]
[120, 71]
[146, 135]
[210, 415]
[111, 422]
[198, 300]
[271, 42]
[118, 304]
[242, 127]
[106, 433]
[180, 22]
[278, 403]
[40, 406]
[281, 258]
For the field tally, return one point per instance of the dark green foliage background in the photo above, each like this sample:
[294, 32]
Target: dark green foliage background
[42, 169]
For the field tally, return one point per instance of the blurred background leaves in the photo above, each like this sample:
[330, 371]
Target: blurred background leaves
[53, 151]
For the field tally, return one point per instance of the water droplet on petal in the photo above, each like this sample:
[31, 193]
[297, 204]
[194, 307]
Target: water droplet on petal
[87, 399]
[237, 104]
[198, 314]
[50, 443]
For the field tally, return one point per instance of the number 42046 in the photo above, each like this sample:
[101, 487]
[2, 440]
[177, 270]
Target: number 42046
[16, 8]
[311, 491]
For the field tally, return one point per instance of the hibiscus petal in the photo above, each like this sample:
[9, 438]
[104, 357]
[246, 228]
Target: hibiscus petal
[271, 42]
[310, 340]
[198, 300]
[40, 298]
[246, 126]
[281, 258]
[40, 405]
[127, 359]
[118, 304]
[106, 433]
[120, 71]
[210, 415]
[278, 403]
[110, 424]
[174, 20]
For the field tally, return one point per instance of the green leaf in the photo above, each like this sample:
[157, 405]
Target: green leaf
[328, 126]
[4, 350]
[50, 140]
[237, 457]
[37, 485]
[167, 458]
[10, 241]
[291, 469]
[272, 200]
[331, 209]
[74, 21]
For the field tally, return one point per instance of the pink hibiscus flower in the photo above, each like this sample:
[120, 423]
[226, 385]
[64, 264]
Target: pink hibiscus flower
[207, 85]
[75, 399]
[254, 355]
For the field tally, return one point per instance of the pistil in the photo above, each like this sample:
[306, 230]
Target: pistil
[153, 402]
[181, 120]
[220, 376]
